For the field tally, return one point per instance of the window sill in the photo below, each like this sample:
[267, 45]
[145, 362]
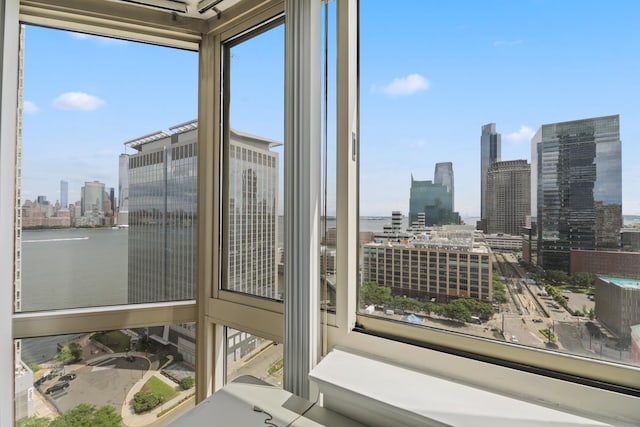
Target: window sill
[379, 393]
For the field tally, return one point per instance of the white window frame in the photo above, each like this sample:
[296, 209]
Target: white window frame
[549, 377]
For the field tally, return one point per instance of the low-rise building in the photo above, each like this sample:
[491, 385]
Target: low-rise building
[504, 242]
[443, 265]
[618, 304]
[612, 263]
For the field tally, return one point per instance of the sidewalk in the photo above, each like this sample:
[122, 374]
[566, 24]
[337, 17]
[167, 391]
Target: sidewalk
[131, 419]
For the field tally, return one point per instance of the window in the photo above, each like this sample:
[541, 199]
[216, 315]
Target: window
[452, 95]
[108, 211]
[254, 156]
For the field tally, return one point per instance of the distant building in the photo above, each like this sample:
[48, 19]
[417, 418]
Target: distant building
[447, 264]
[579, 195]
[443, 175]
[434, 200]
[612, 263]
[630, 239]
[123, 190]
[45, 215]
[490, 147]
[64, 194]
[504, 242]
[618, 304]
[508, 196]
[93, 198]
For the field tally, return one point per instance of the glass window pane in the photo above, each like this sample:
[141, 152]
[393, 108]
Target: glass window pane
[532, 243]
[254, 155]
[254, 356]
[129, 376]
[107, 209]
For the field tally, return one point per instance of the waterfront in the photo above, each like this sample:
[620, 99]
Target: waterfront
[72, 268]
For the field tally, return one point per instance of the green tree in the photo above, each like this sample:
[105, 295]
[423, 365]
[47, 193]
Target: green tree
[85, 415]
[187, 382]
[582, 280]
[592, 314]
[70, 353]
[457, 310]
[372, 293]
[33, 422]
[499, 290]
[556, 277]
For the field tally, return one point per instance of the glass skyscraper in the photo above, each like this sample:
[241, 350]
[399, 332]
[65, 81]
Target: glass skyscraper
[64, 194]
[162, 215]
[490, 146]
[434, 200]
[443, 175]
[252, 216]
[579, 188]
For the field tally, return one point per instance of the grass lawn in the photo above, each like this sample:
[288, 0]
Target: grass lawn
[155, 385]
[115, 340]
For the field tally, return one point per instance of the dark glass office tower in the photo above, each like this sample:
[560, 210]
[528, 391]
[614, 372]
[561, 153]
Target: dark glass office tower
[580, 188]
[489, 153]
[434, 200]
[443, 175]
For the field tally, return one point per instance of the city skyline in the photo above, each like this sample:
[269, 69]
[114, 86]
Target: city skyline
[434, 100]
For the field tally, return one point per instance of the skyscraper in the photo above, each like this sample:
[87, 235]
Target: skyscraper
[443, 175]
[508, 196]
[252, 216]
[489, 153]
[93, 197]
[580, 188]
[122, 207]
[162, 215]
[162, 205]
[434, 200]
[64, 194]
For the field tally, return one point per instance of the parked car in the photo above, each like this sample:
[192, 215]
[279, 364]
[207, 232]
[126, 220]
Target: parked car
[57, 387]
[514, 339]
[67, 377]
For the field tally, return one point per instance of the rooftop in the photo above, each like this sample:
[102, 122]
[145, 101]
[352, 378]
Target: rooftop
[621, 281]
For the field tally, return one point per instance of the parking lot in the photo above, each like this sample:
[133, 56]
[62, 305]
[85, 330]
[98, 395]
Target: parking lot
[103, 383]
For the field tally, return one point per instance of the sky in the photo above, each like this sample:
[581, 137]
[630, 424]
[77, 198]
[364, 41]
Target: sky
[428, 82]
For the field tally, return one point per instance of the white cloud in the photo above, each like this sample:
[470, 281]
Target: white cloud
[405, 85]
[101, 40]
[77, 101]
[524, 134]
[419, 143]
[29, 107]
[507, 43]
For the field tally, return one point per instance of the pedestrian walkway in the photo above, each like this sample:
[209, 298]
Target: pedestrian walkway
[131, 419]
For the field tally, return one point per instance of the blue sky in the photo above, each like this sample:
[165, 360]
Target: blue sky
[429, 81]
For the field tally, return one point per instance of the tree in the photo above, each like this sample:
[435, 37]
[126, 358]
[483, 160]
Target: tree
[457, 311]
[33, 422]
[70, 353]
[557, 277]
[88, 415]
[499, 290]
[187, 382]
[592, 314]
[582, 280]
[372, 293]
